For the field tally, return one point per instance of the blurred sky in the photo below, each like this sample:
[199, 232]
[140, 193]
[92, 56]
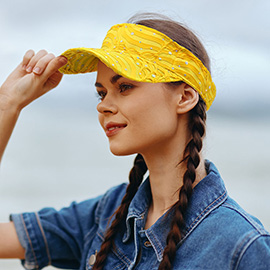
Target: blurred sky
[235, 33]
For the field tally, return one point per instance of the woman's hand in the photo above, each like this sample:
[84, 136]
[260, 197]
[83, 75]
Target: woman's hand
[35, 76]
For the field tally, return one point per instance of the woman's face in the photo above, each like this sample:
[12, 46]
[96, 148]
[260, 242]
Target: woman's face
[137, 117]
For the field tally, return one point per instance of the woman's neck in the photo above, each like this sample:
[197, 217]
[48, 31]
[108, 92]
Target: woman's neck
[166, 178]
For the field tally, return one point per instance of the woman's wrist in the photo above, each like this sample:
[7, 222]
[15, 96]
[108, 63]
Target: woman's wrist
[7, 105]
[9, 114]
[8, 101]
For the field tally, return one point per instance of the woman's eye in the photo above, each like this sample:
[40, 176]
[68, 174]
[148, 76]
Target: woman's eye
[101, 95]
[124, 87]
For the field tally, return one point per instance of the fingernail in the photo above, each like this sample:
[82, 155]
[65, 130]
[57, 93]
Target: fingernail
[24, 67]
[63, 59]
[37, 70]
[29, 69]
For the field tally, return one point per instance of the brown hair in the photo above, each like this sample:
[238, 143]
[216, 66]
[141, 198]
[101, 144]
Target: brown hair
[197, 118]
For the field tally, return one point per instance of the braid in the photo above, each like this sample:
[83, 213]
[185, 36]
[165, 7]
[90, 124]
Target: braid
[191, 155]
[135, 179]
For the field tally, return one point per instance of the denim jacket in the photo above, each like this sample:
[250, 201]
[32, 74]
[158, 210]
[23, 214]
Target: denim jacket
[218, 234]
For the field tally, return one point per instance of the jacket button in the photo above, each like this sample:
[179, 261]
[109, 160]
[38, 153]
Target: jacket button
[92, 259]
[147, 244]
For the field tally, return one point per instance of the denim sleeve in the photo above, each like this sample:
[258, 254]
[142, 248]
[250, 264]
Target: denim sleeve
[256, 255]
[56, 238]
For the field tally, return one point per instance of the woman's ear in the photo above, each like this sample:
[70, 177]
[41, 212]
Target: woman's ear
[187, 100]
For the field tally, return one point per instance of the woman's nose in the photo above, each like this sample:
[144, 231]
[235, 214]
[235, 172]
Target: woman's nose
[107, 105]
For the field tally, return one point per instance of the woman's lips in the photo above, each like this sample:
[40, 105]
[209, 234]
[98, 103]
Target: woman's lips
[112, 129]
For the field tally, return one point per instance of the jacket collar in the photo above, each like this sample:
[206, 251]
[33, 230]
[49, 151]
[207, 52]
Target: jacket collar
[207, 195]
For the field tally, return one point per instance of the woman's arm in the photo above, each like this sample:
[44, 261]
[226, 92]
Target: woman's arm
[10, 246]
[35, 76]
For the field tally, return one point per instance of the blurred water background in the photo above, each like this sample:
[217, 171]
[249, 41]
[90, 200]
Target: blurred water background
[58, 153]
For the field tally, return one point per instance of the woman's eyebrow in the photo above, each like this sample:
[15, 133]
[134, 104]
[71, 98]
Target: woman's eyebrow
[113, 80]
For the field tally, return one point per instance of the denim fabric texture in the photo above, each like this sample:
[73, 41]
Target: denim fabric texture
[219, 234]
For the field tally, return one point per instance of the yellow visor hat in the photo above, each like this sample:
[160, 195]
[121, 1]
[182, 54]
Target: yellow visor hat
[143, 54]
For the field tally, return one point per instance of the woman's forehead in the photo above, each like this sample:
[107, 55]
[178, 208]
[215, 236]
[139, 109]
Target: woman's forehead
[104, 72]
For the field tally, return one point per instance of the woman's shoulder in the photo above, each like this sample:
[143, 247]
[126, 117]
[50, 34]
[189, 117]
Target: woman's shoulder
[251, 240]
[236, 217]
[244, 233]
[231, 235]
[231, 224]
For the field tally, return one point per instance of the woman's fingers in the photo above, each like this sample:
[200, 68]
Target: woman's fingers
[26, 59]
[37, 63]
[34, 59]
[42, 63]
[51, 75]
[54, 65]
[22, 87]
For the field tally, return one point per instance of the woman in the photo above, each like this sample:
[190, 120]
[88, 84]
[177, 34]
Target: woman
[154, 84]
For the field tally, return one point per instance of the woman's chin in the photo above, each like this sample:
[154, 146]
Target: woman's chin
[121, 152]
